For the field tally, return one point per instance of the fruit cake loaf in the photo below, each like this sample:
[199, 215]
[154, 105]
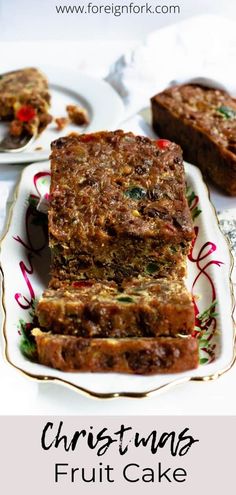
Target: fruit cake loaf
[203, 122]
[24, 101]
[129, 355]
[118, 208]
[141, 307]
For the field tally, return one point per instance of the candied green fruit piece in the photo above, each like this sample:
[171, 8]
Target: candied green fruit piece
[227, 112]
[136, 193]
[125, 299]
[152, 267]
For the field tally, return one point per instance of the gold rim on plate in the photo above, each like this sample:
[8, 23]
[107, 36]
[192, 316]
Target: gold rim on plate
[116, 395]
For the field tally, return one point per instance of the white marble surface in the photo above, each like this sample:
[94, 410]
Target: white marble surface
[20, 395]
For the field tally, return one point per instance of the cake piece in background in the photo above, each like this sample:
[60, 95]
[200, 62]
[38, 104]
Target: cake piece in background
[25, 101]
[78, 115]
[203, 122]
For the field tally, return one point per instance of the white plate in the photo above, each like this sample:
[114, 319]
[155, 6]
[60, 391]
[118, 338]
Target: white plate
[103, 104]
[25, 265]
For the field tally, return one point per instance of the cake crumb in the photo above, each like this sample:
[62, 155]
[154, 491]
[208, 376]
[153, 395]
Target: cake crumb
[78, 115]
[61, 123]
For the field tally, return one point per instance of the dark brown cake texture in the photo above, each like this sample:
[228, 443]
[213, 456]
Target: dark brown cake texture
[203, 122]
[131, 355]
[119, 231]
[141, 307]
[118, 208]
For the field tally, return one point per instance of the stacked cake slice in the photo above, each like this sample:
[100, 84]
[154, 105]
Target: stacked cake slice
[120, 231]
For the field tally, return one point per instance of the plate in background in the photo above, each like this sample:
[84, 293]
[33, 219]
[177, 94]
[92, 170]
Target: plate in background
[68, 87]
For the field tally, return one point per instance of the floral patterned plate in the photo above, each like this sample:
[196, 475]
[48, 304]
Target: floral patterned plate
[25, 266]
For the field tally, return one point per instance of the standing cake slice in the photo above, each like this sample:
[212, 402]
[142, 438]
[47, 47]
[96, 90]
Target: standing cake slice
[118, 208]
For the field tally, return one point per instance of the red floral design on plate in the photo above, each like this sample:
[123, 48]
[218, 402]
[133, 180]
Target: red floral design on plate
[201, 256]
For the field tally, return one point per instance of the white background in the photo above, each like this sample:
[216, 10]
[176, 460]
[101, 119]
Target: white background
[35, 20]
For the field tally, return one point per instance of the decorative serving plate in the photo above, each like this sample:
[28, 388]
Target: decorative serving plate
[25, 266]
[70, 87]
